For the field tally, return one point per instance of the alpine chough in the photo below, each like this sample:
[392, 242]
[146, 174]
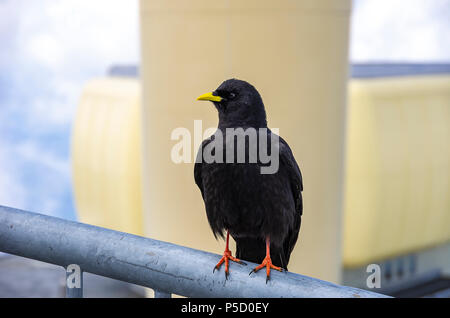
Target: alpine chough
[261, 211]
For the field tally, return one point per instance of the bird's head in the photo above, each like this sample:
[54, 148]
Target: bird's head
[238, 103]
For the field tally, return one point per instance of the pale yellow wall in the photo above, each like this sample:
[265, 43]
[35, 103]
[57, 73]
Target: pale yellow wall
[398, 167]
[106, 155]
[295, 53]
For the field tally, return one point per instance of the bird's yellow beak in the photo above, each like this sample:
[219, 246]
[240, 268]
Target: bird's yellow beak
[210, 97]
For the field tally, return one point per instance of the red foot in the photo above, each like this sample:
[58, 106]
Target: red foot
[267, 262]
[226, 258]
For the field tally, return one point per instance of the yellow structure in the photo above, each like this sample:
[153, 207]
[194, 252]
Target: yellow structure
[397, 167]
[397, 138]
[295, 53]
[106, 155]
[397, 185]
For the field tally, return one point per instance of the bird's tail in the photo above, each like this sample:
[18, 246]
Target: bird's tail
[254, 250]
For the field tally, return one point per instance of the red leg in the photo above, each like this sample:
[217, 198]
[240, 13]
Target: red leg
[267, 262]
[226, 258]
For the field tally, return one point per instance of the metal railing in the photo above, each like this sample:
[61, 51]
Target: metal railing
[166, 268]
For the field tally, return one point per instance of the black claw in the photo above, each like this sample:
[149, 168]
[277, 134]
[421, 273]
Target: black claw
[214, 269]
[251, 272]
[226, 275]
[242, 263]
[267, 278]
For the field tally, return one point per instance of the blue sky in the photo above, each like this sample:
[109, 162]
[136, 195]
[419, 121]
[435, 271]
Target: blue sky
[50, 48]
[400, 31]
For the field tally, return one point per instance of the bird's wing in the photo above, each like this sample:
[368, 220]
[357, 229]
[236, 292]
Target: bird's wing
[295, 176]
[198, 166]
[296, 181]
[198, 176]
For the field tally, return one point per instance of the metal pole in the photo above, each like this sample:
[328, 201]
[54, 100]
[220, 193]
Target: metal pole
[161, 294]
[159, 265]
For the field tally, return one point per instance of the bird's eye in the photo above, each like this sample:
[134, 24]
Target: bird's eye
[232, 95]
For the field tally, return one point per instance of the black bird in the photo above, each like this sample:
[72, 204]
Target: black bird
[262, 212]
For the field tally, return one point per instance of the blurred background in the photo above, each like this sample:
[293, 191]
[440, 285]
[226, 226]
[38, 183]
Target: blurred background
[82, 86]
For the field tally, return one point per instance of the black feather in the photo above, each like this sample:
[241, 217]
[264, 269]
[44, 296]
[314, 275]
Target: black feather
[237, 196]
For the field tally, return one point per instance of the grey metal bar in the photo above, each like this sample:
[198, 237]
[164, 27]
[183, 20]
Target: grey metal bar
[159, 265]
[161, 294]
